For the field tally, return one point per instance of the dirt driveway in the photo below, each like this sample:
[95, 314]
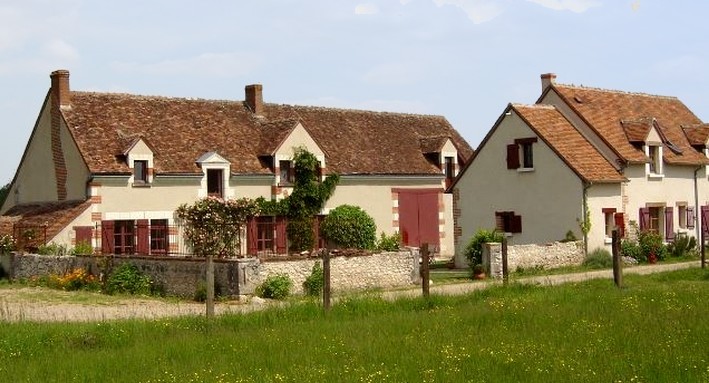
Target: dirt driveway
[42, 304]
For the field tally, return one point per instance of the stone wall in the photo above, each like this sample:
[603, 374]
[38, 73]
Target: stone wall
[183, 275]
[547, 256]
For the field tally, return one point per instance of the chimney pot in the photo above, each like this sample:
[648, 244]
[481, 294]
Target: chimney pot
[60, 88]
[254, 98]
[547, 80]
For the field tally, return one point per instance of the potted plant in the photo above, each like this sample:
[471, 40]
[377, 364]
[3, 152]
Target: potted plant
[478, 272]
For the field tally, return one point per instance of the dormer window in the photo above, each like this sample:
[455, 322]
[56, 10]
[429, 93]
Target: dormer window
[654, 153]
[215, 180]
[215, 186]
[449, 170]
[140, 171]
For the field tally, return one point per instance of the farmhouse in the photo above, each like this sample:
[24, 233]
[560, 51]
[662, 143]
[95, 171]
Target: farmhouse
[580, 154]
[110, 169]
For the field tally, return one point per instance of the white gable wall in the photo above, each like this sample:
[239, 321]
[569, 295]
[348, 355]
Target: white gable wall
[549, 199]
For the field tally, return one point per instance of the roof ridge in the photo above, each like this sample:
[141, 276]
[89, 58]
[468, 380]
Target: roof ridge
[538, 106]
[615, 91]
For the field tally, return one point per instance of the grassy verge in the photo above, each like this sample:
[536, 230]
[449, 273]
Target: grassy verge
[655, 329]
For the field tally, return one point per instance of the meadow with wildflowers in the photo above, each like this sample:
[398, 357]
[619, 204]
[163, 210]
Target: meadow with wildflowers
[654, 329]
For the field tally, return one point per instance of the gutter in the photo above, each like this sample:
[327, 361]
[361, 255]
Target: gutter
[697, 212]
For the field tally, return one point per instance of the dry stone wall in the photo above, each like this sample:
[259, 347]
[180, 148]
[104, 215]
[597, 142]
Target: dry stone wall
[183, 275]
[547, 256]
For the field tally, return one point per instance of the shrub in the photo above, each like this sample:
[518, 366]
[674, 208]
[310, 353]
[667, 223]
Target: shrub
[683, 245]
[350, 227]
[630, 248]
[474, 250]
[651, 243]
[51, 249]
[598, 259]
[276, 286]
[200, 294]
[389, 242]
[82, 248]
[313, 284]
[127, 279]
[569, 237]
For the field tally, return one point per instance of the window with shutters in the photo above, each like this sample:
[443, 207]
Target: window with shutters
[123, 237]
[682, 216]
[613, 219]
[159, 236]
[659, 220]
[520, 155]
[508, 222]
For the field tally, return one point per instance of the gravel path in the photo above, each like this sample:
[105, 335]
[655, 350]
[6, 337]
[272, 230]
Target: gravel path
[26, 304]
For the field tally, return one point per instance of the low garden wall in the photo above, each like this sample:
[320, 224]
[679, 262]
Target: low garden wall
[547, 256]
[184, 275]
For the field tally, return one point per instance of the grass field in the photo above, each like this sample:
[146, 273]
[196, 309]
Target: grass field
[656, 329]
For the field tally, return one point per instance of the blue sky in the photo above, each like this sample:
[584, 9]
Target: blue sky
[463, 59]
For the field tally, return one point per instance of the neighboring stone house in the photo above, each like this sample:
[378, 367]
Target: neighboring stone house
[121, 164]
[626, 157]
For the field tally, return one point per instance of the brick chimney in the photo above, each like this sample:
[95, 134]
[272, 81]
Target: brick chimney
[548, 79]
[254, 98]
[60, 88]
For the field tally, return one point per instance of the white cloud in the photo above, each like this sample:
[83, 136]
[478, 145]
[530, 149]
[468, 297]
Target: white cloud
[478, 11]
[208, 64]
[578, 6]
[366, 9]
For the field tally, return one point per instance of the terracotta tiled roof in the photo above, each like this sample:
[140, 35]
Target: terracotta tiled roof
[578, 153]
[181, 130]
[637, 130]
[432, 144]
[605, 109]
[698, 135]
[55, 216]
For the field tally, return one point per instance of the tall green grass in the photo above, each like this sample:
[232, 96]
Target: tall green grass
[655, 329]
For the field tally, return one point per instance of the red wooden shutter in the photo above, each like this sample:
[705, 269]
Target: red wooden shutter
[83, 234]
[669, 224]
[644, 216]
[252, 236]
[143, 245]
[107, 240]
[512, 156]
[281, 237]
[690, 217]
[620, 222]
[516, 223]
[705, 220]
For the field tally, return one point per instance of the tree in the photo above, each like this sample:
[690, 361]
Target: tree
[3, 193]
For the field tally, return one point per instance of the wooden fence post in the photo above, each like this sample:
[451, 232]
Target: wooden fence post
[425, 277]
[702, 244]
[617, 259]
[326, 280]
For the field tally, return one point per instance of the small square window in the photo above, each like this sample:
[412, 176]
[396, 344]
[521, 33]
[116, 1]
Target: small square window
[527, 156]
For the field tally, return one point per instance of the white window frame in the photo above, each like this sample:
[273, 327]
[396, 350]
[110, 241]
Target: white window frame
[656, 161]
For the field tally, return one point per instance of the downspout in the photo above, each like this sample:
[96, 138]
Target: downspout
[697, 212]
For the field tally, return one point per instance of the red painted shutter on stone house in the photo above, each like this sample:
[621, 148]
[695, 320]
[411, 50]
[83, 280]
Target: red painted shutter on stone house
[107, 240]
[669, 224]
[512, 156]
[644, 216]
[83, 234]
[252, 236]
[620, 223]
[690, 217]
[143, 245]
[281, 236]
[515, 223]
[705, 220]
